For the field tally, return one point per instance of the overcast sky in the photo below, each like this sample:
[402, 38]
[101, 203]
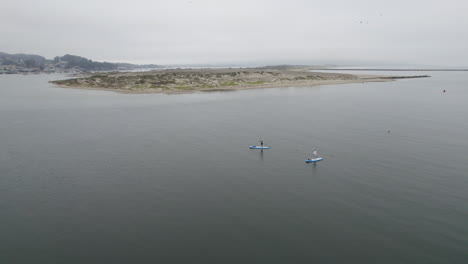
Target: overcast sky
[429, 32]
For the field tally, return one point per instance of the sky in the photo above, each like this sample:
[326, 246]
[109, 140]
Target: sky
[400, 32]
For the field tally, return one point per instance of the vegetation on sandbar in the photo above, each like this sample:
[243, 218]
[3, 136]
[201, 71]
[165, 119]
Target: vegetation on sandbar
[197, 79]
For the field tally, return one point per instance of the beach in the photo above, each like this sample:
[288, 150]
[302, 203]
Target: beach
[173, 81]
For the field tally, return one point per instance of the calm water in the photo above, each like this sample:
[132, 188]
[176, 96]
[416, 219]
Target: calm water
[101, 177]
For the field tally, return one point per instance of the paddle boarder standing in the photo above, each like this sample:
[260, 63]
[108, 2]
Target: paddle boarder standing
[315, 154]
[261, 142]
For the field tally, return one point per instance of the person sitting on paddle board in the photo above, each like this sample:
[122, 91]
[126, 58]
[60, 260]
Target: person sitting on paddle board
[261, 142]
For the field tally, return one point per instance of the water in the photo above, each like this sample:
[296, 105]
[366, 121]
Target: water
[101, 177]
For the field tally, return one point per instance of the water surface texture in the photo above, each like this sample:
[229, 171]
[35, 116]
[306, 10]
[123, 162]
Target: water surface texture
[101, 177]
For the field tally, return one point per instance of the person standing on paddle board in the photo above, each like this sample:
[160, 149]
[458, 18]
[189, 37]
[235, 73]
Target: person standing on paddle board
[261, 142]
[315, 154]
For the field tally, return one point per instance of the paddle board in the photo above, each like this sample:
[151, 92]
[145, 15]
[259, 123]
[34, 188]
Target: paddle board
[314, 160]
[259, 147]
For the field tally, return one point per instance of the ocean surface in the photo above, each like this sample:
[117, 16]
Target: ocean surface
[92, 176]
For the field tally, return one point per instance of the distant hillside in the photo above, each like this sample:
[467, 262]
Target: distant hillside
[24, 60]
[67, 62]
[70, 61]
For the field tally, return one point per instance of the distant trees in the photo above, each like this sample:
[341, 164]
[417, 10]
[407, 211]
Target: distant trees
[73, 61]
[22, 60]
[8, 62]
[30, 63]
[65, 62]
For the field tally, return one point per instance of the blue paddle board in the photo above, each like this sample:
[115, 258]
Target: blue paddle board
[259, 147]
[314, 160]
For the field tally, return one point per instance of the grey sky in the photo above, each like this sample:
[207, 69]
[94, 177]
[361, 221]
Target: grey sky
[431, 32]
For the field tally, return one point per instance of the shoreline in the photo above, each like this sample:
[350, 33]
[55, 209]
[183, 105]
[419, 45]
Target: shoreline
[226, 89]
[186, 81]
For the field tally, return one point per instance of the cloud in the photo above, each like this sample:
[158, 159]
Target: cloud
[208, 31]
